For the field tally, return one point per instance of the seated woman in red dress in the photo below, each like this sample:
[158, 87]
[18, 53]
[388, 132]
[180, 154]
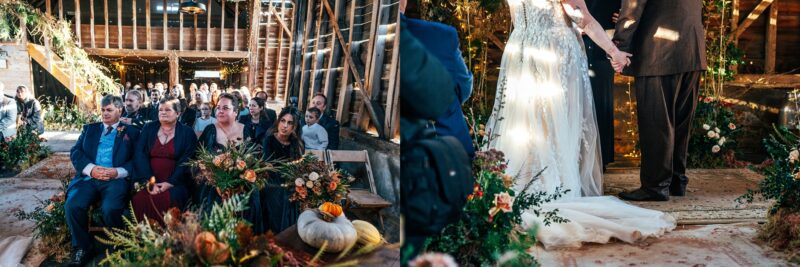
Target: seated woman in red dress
[163, 149]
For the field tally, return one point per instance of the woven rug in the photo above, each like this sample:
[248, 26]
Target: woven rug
[710, 196]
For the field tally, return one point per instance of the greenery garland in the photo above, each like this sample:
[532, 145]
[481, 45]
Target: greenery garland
[15, 13]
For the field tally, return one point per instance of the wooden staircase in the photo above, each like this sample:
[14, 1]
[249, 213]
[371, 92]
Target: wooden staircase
[78, 86]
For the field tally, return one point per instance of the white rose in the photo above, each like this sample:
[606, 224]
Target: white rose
[721, 141]
[299, 182]
[310, 184]
[715, 149]
[711, 134]
[716, 129]
[794, 155]
[706, 127]
[313, 176]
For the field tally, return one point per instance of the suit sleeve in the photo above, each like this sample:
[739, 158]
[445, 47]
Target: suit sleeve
[134, 135]
[333, 134]
[425, 85]
[461, 73]
[78, 157]
[628, 22]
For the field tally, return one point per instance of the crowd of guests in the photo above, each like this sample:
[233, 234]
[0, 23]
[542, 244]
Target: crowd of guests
[157, 129]
[19, 112]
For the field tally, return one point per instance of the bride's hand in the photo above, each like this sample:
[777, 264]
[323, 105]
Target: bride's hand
[620, 60]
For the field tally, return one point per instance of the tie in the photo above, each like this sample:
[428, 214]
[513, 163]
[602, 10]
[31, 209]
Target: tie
[108, 130]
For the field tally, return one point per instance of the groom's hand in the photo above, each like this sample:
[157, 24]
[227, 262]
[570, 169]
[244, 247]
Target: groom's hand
[615, 17]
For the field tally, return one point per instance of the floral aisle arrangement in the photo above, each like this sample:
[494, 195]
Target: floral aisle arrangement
[189, 239]
[490, 231]
[314, 181]
[60, 115]
[23, 151]
[233, 170]
[714, 134]
[781, 183]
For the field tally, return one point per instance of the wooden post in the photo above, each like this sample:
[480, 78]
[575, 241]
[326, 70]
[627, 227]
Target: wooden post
[78, 22]
[119, 24]
[105, 9]
[222, 28]
[376, 11]
[772, 34]
[174, 71]
[196, 34]
[752, 17]
[303, 53]
[91, 23]
[289, 54]
[135, 39]
[315, 60]
[391, 99]
[165, 31]
[236, 26]
[147, 26]
[333, 56]
[266, 52]
[180, 33]
[252, 63]
[734, 19]
[278, 63]
[344, 87]
[61, 9]
[208, 26]
[48, 8]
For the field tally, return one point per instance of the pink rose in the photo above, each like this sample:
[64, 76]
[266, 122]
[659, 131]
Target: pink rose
[502, 202]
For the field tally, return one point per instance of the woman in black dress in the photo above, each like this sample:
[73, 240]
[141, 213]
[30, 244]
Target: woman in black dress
[282, 144]
[257, 121]
[215, 139]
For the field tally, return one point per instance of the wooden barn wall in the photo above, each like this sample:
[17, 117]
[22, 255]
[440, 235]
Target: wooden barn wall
[753, 40]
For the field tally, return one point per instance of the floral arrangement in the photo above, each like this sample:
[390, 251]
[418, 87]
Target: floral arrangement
[713, 140]
[781, 183]
[489, 232]
[60, 115]
[233, 170]
[187, 239]
[314, 181]
[22, 152]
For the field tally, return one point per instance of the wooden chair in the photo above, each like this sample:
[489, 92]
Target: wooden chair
[361, 199]
[321, 155]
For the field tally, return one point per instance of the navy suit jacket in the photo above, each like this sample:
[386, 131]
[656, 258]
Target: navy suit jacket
[442, 42]
[185, 149]
[85, 150]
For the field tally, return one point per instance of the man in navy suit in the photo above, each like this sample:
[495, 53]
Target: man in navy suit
[103, 158]
[442, 41]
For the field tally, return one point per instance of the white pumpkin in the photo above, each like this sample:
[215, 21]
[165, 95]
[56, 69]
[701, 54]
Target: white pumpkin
[314, 231]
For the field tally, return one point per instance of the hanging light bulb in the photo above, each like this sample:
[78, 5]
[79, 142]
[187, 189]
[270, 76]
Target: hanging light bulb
[193, 8]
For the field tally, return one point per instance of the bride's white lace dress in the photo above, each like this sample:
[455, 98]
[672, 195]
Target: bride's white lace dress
[544, 116]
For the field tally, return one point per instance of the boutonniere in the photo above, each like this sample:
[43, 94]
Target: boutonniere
[120, 129]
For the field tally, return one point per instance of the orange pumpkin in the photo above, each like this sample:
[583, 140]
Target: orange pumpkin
[209, 250]
[330, 208]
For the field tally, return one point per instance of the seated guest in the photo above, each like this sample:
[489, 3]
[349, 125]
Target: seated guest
[134, 113]
[102, 157]
[188, 115]
[243, 109]
[282, 144]
[162, 151]
[204, 120]
[215, 139]
[205, 93]
[314, 136]
[261, 94]
[8, 117]
[30, 110]
[270, 112]
[257, 121]
[327, 121]
[155, 97]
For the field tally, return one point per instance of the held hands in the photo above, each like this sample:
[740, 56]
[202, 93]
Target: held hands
[620, 60]
[159, 188]
[105, 174]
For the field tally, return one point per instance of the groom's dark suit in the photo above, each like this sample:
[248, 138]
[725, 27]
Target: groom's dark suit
[667, 40]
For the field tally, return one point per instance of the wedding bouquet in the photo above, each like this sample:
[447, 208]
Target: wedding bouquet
[489, 232]
[233, 170]
[314, 182]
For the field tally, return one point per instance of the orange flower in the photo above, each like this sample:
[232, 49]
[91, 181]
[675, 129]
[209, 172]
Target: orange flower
[218, 160]
[241, 164]
[332, 187]
[249, 175]
[50, 207]
[301, 191]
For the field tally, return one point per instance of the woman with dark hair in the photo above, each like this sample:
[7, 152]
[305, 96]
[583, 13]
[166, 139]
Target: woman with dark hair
[282, 144]
[188, 115]
[162, 151]
[257, 120]
[215, 139]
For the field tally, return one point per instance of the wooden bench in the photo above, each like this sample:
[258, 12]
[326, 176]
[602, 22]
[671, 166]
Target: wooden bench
[361, 199]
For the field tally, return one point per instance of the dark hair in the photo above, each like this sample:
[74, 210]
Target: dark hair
[263, 105]
[174, 102]
[314, 111]
[234, 101]
[262, 92]
[294, 138]
[324, 98]
[111, 100]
